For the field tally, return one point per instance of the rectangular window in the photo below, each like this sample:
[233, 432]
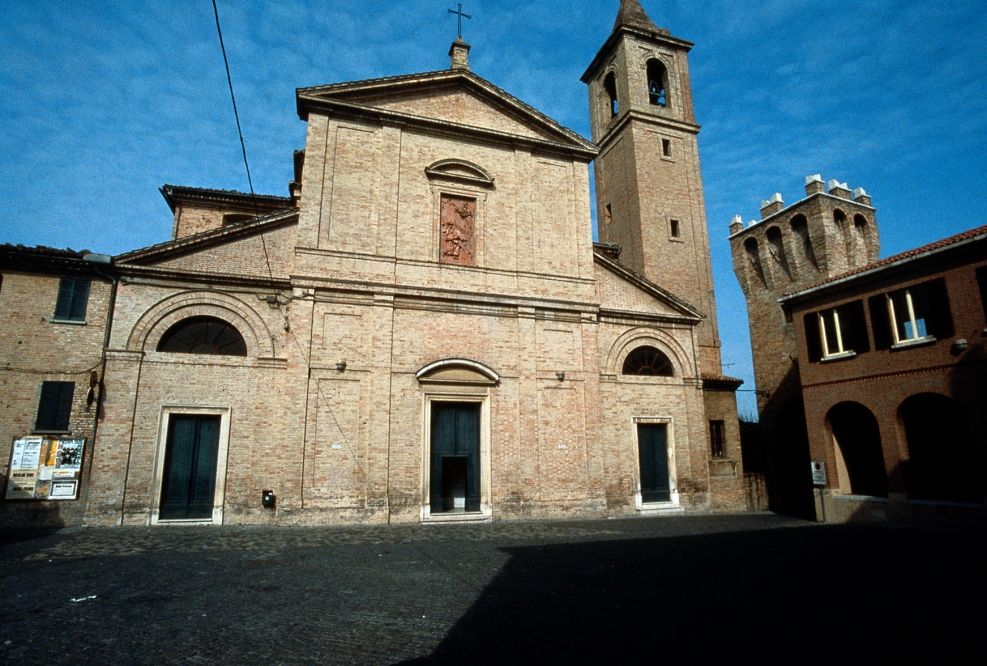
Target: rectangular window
[673, 228]
[55, 406]
[915, 314]
[717, 439]
[666, 147]
[73, 296]
[837, 332]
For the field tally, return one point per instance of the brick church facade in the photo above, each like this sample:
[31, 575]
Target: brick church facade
[424, 329]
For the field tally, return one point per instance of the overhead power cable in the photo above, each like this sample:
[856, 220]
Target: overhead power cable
[243, 145]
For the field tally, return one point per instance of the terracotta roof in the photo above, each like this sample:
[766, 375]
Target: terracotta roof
[42, 251]
[897, 258]
[41, 258]
[172, 192]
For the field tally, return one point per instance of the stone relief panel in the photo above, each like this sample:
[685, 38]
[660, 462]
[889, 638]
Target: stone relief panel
[457, 230]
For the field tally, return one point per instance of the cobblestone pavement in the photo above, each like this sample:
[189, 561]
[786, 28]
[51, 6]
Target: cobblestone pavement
[608, 591]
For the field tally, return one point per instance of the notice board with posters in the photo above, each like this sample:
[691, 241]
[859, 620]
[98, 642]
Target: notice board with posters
[45, 468]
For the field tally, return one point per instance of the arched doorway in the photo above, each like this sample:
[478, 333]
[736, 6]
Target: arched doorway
[857, 439]
[945, 461]
[456, 438]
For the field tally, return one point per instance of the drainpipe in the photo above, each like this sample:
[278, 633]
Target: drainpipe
[103, 259]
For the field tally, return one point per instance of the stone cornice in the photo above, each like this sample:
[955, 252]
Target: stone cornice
[649, 119]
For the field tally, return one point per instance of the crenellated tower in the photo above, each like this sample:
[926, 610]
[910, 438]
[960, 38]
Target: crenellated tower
[831, 231]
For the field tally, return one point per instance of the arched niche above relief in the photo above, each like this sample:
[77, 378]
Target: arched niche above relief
[460, 171]
[457, 371]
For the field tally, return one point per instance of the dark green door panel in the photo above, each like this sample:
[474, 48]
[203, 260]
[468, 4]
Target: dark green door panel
[652, 444]
[189, 481]
[454, 454]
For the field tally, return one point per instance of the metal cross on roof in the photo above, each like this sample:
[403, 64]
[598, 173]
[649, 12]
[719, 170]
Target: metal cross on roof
[459, 17]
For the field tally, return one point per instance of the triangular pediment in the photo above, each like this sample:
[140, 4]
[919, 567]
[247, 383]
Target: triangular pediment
[622, 290]
[259, 248]
[454, 99]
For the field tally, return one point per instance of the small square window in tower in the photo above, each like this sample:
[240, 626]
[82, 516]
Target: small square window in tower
[73, 296]
[55, 406]
[457, 230]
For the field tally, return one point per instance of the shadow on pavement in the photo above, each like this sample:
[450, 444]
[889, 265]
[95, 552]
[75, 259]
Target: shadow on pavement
[802, 595]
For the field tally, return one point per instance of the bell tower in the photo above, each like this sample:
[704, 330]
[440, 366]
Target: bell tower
[649, 193]
[649, 198]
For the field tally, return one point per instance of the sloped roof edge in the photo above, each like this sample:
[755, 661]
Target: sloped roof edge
[875, 267]
[211, 237]
[173, 193]
[647, 285]
[447, 76]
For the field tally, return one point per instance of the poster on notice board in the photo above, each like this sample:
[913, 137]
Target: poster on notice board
[45, 468]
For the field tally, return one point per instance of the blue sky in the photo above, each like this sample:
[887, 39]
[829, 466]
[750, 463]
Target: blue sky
[103, 102]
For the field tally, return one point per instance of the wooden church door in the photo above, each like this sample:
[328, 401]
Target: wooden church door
[454, 474]
[189, 481]
[652, 443]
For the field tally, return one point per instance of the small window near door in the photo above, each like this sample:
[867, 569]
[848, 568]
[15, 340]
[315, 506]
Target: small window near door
[673, 228]
[717, 439]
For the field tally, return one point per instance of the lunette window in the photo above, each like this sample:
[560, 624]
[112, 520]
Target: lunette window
[55, 406]
[203, 335]
[73, 297]
[647, 361]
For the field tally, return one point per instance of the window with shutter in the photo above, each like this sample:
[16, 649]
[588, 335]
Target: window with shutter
[55, 406]
[73, 297]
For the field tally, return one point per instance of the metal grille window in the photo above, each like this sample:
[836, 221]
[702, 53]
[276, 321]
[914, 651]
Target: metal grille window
[647, 361]
[203, 335]
[73, 296]
[55, 406]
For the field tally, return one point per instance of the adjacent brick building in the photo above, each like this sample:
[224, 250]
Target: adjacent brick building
[875, 368]
[54, 307]
[424, 329]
